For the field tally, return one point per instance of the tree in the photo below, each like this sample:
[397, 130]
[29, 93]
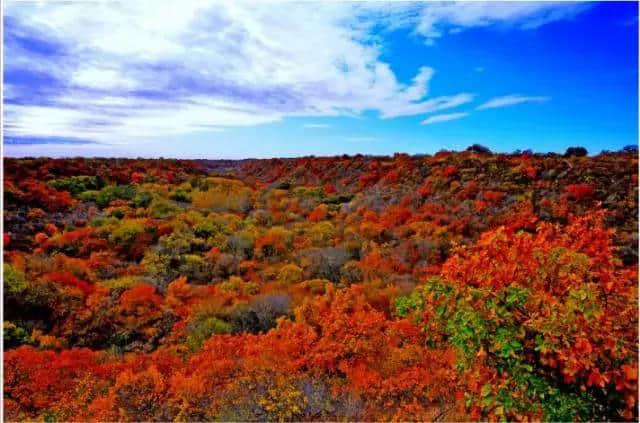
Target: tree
[575, 152]
[478, 149]
[541, 322]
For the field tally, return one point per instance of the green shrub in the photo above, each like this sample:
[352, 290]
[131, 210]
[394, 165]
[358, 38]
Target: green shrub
[14, 335]
[78, 184]
[109, 193]
[126, 232]
[14, 280]
[203, 330]
[142, 199]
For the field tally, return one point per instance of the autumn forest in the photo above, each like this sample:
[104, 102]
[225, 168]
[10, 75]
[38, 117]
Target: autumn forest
[456, 286]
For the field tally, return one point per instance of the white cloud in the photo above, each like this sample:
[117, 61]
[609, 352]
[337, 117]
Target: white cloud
[101, 78]
[427, 106]
[510, 100]
[443, 118]
[438, 18]
[316, 125]
[126, 71]
[139, 68]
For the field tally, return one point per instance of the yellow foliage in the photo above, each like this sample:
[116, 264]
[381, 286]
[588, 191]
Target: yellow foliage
[224, 195]
[290, 274]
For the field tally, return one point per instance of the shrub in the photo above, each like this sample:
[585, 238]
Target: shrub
[162, 208]
[13, 335]
[261, 314]
[108, 194]
[121, 284]
[575, 152]
[580, 191]
[200, 331]
[351, 273]
[290, 274]
[142, 199]
[538, 324]
[478, 149]
[78, 184]
[13, 280]
[224, 195]
[126, 232]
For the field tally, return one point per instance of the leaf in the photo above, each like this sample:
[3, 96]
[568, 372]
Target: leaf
[486, 390]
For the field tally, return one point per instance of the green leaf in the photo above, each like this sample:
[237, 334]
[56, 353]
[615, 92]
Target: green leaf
[486, 390]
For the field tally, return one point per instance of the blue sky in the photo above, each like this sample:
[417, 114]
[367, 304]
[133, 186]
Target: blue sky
[236, 80]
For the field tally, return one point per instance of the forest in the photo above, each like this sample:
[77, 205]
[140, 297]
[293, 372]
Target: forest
[449, 287]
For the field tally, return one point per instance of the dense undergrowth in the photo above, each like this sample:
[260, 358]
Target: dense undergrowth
[455, 286]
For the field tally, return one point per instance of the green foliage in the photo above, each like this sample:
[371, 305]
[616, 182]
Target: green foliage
[78, 184]
[202, 330]
[406, 305]
[313, 193]
[103, 222]
[493, 329]
[126, 232]
[318, 195]
[14, 335]
[180, 195]
[117, 213]
[180, 253]
[338, 198]
[109, 193]
[162, 208]
[233, 284]
[142, 199]
[14, 280]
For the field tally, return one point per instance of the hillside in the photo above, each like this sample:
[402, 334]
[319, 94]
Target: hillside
[456, 286]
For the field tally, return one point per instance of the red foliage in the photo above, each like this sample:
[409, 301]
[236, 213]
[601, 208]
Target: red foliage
[450, 171]
[329, 188]
[493, 197]
[50, 228]
[68, 279]
[141, 295]
[40, 237]
[556, 264]
[317, 214]
[531, 172]
[580, 191]
[42, 380]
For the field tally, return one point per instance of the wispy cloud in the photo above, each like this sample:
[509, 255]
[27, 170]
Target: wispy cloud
[316, 125]
[443, 118]
[44, 140]
[510, 100]
[432, 20]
